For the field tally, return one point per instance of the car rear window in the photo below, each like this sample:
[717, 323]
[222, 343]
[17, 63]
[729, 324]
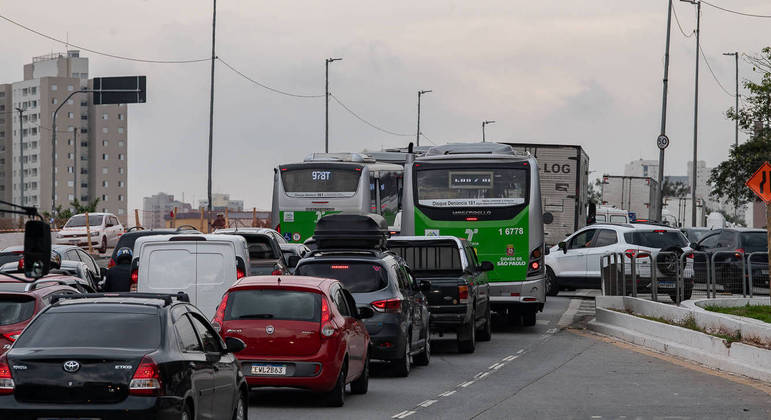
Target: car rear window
[15, 309]
[261, 248]
[128, 240]
[10, 257]
[79, 329]
[288, 305]
[754, 242]
[358, 277]
[656, 239]
[430, 260]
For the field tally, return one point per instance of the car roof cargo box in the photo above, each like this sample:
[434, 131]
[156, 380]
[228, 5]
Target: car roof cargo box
[351, 231]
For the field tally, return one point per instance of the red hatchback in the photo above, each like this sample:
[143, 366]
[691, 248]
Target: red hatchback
[300, 332]
[20, 302]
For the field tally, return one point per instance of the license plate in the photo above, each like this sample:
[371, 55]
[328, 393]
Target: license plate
[74, 241]
[269, 370]
[666, 285]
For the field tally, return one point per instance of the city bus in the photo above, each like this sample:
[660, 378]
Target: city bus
[328, 183]
[489, 195]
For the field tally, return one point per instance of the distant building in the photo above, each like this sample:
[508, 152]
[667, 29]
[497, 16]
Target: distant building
[220, 202]
[643, 168]
[156, 207]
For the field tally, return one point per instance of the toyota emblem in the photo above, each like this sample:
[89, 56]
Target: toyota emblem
[269, 329]
[71, 366]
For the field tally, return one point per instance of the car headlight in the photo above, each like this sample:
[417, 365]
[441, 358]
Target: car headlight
[59, 236]
[94, 233]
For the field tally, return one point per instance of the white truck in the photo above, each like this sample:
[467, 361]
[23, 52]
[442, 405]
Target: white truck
[635, 194]
[564, 186]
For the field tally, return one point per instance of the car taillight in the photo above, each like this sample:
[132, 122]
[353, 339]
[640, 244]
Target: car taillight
[327, 329]
[739, 252]
[6, 380]
[324, 310]
[463, 294]
[276, 272]
[387, 305]
[689, 255]
[12, 336]
[21, 265]
[219, 315]
[278, 228]
[111, 263]
[240, 273]
[630, 253]
[134, 279]
[146, 379]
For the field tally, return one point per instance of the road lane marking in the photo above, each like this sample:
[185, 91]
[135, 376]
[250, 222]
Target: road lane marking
[483, 375]
[427, 403]
[496, 366]
[520, 351]
[403, 414]
[447, 393]
[567, 318]
[465, 384]
[509, 358]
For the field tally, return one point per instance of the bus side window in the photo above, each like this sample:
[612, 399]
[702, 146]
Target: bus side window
[373, 194]
[389, 195]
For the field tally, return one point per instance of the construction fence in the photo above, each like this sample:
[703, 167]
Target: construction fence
[200, 219]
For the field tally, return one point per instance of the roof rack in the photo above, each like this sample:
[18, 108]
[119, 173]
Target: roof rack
[167, 298]
[341, 251]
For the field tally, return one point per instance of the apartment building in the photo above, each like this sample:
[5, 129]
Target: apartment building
[90, 158]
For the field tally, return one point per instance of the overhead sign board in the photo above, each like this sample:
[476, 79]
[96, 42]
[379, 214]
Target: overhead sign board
[760, 182]
[120, 90]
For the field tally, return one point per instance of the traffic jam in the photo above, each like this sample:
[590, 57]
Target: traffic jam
[370, 257]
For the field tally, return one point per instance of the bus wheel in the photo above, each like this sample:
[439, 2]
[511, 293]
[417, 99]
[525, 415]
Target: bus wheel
[528, 317]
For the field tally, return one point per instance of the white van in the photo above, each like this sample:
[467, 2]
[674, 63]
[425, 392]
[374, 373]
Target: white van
[607, 214]
[202, 265]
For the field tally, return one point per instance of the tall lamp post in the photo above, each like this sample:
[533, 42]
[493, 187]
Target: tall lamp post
[21, 156]
[211, 109]
[736, 109]
[326, 101]
[484, 123]
[695, 112]
[663, 140]
[417, 135]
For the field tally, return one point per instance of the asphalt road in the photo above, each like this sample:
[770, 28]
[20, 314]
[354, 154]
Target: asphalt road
[535, 372]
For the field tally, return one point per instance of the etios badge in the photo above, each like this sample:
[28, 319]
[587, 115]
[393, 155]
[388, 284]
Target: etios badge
[71, 366]
[269, 329]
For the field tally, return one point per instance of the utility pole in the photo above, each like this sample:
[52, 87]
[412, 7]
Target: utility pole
[663, 133]
[211, 103]
[736, 109]
[417, 135]
[484, 123]
[21, 156]
[326, 101]
[75, 157]
[695, 112]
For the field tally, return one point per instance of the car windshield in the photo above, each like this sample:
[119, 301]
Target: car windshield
[16, 308]
[286, 305]
[473, 187]
[80, 221]
[695, 235]
[320, 182]
[656, 239]
[116, 330]
[754, 242]
[430, 260]
[358, 277]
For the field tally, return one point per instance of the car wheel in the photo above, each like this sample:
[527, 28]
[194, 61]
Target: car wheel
[552, 285]
[403, 363]
[528, 318]
[241, 404]
[469, 344]
[424, 357]
[103, 247]
[486, 333]
[361, 384]
[336, 397]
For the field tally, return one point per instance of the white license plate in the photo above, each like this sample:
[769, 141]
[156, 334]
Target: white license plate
[666, 285]
[74, 241]
[268, 370]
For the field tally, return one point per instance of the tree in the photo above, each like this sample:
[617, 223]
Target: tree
[89, 207]
[728, 178]
[675, 189]
[593, 194]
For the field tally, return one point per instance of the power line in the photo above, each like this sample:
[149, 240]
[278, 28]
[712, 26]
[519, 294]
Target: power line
[120, 57]
[735, 11]
[350, 111]
[704, 56]
[674, 12]
[264, 86]
[426, 137]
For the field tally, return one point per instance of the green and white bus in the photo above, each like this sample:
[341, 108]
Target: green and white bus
[328, 183]
[489, 195]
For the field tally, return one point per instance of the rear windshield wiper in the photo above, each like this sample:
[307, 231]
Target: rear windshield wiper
[256, 316]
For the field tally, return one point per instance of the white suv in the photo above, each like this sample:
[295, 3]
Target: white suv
[575, 262]
[105, 230]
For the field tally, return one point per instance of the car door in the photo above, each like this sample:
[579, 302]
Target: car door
[480, 279]
[604, 242]
[706, 247]
[224, 391]
[359, 340]
[420, 311]
[572, 263]
[93, 268]
[201, 371]
[411, 298]
[349, 336]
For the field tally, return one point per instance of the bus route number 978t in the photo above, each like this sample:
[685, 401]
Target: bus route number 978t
[321, 175]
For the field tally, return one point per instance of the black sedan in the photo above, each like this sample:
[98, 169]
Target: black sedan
[124, 356]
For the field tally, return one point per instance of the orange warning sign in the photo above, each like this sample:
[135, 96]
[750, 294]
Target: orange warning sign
[760, 182]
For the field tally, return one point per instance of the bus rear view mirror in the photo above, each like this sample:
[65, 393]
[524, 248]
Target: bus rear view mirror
[37, 249]
[548, 218]
[487, 266]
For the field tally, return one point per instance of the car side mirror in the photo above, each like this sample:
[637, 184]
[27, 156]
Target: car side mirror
[547, 251]
[365, 312]
[292, 261]
[37, 249]
[234, 345]
[487, 266]
[425, 286]
[697, 247]
[563, 246]
[213, 356]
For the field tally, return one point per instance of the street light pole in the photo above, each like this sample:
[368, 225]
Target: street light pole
[211, 106]
[21, 156]
[326, 101]
[75, 165]
[660, 201]
[695, 112]
[736, 109]
[484, 123]
[417, 135]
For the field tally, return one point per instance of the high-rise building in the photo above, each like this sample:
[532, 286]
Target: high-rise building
[221, 201]
[156, 207]
[91, 153]
[644, 168]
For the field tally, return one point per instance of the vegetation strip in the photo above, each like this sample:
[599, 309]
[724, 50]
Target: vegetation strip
[761, 312]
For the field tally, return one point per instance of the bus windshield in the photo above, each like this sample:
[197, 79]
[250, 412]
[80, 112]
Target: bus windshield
[472, 187]
[320, 182]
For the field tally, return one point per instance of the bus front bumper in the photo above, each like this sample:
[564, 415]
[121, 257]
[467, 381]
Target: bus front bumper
[531, 291]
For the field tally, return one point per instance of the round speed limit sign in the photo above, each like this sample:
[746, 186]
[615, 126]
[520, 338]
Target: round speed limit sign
[662, 141]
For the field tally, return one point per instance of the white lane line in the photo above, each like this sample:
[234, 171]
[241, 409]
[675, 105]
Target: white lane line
[479, 375]
[496, 366]
[509, 358]
[520, 351]
[447, 393]
[483, 375]
[403, 414]
[567, 318]
[427, 403]
[465, 384]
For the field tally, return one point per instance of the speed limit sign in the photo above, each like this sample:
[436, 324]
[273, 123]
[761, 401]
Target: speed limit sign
[662, 141]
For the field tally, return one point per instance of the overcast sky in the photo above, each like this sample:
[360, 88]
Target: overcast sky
[584, 72]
